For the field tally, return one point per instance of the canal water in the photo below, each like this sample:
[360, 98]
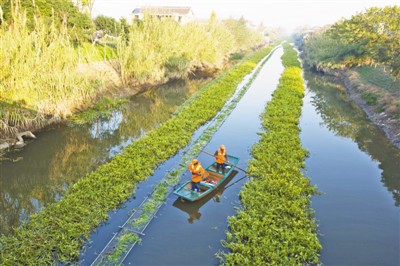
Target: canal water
[357, 170]
[353, 164]
[184, 233]
[62, 155]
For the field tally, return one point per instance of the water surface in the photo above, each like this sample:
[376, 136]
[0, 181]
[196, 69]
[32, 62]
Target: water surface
[62, 155]
[357, 170]
[191, 234]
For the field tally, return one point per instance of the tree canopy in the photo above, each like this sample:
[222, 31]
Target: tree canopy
[59, 11]
[368, 38]
[243, 34]
[108, 24]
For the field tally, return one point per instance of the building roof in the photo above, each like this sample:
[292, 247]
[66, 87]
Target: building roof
[162, 10]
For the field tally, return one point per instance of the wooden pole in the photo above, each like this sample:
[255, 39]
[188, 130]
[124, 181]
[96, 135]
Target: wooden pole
[225, 162]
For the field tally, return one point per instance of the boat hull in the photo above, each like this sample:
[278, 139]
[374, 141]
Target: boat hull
[212, 181]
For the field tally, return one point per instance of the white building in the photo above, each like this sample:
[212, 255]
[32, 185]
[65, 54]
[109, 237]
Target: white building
[181, 15]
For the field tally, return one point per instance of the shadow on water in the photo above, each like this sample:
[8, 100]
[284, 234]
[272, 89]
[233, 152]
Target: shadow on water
[193, 208]
[61, 155]
[15, 114]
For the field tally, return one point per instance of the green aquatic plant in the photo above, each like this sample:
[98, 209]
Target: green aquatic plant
[57, 233]
[275, 225]
[101, 109]
[152, 203]
[124, 241]
[289, 58]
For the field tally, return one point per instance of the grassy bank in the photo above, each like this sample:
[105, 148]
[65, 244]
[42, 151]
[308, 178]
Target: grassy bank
[57, 233]
[40, 79]
[46, 75]
[148, 208]
[275, 224]
[377, 89]
[156, 50]
[378, 94]
[370, 38]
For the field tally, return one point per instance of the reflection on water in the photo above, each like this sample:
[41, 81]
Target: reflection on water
[108, 126]
[193, 208]
[357, 170]
[343, 117]
[62, 155]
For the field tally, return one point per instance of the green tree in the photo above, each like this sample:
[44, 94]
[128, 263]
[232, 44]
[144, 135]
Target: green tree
[245, 37]
[124, 25]
[58, 11]
[86, 5]
[368, 38]
[107, 24]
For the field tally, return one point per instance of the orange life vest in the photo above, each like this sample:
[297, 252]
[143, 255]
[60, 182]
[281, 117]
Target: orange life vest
[221, 156]
[196, 170]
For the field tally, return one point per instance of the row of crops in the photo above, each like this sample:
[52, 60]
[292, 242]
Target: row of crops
[57, 233]
[275, 225]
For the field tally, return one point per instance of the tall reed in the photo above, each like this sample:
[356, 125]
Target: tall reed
[56, 234]
[39, 71]
[156, 50]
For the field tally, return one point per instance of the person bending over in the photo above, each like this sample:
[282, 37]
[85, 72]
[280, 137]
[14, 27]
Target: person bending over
[197, 174]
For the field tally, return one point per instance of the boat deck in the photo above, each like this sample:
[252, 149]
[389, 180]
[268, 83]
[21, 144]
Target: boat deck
[212, 179]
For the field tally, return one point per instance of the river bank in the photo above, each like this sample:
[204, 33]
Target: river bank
[385, 117]
[356, 168]
[112, 88]
[115, 181]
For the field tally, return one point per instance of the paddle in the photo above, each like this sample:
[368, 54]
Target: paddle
[236, 181]
[225, 162]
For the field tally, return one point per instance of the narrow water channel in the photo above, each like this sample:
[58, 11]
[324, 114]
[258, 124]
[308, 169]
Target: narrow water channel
[62, 155]
[351, 161]
[184, 233]
[357, 170]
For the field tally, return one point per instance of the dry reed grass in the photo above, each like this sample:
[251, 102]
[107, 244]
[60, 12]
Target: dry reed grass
[38, 69]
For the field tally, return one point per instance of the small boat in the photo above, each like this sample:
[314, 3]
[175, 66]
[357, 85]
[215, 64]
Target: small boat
[193, 209]
[212, 180]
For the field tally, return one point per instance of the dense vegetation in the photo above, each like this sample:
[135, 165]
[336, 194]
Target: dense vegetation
[365, 52]
[44, 61]
[39, 74]
[57, 233]
[117, 250]
[275, 225]
[378, 77]
[242, 35]
[78, 23]
[366, 39]
[110, 26]
[156, 50]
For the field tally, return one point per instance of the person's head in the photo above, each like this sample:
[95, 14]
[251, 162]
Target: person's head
[222, 147]
[195, 161]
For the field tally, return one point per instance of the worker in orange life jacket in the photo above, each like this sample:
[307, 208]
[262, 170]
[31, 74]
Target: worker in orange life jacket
[221, 157]
[197, 174]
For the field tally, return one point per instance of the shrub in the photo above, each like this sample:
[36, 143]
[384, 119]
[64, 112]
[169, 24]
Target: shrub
[370, 98]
